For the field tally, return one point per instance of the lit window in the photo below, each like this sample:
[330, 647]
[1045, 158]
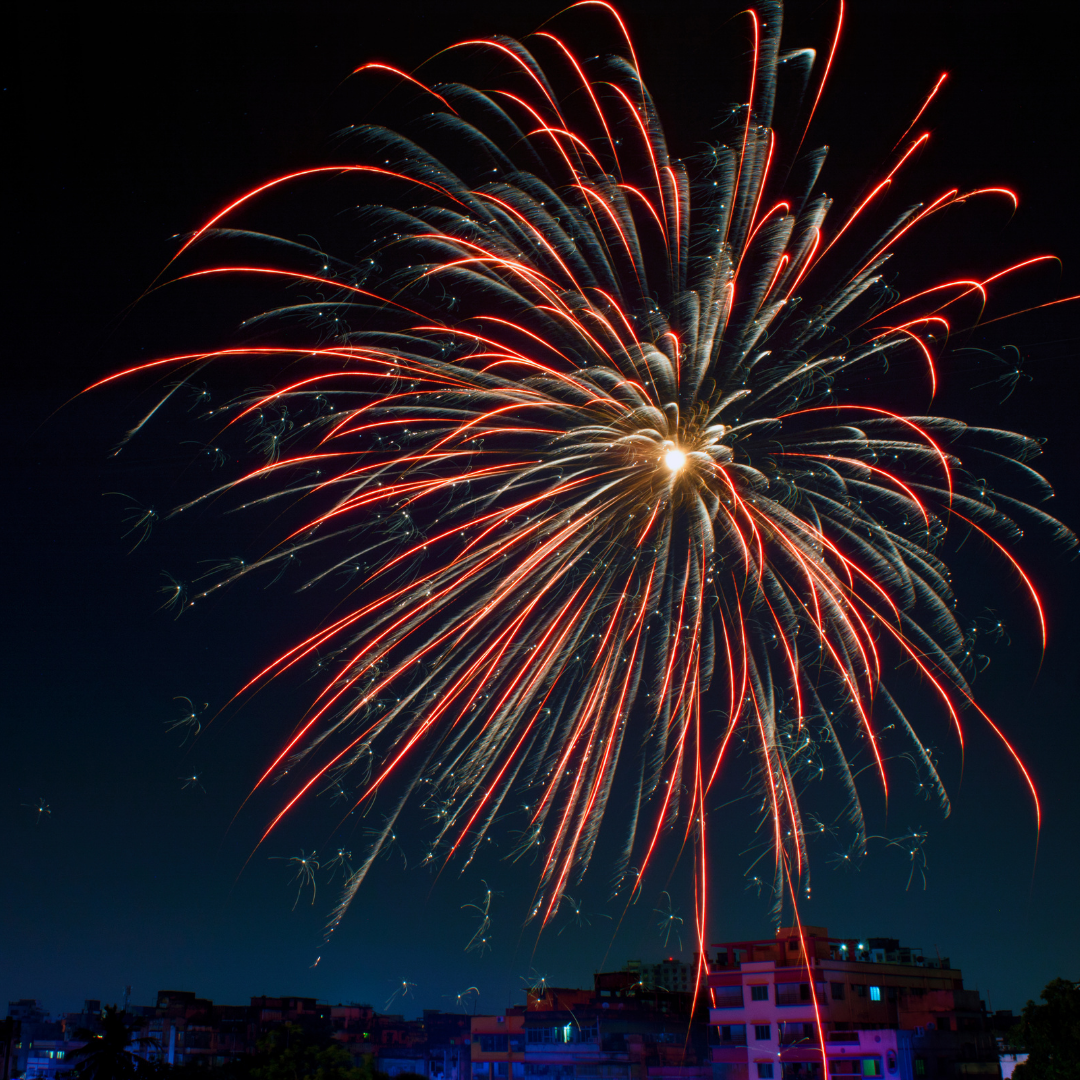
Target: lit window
[875, 993]
[764, 1071]
[871, 1067]
[920, 1066]
[759, 993]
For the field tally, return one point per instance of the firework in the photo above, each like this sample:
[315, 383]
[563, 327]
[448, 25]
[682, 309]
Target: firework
[304, 867]
[601, 442]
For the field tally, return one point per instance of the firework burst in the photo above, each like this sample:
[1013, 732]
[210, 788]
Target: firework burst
[576, 426]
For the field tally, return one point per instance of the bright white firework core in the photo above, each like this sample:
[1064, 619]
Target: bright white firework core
[674, 460]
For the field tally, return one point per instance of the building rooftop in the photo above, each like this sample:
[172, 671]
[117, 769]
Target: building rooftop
[785, 950]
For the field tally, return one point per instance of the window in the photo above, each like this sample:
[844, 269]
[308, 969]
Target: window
[791, 993]
[763, 1032]
[798, 1032]
[875, 993]
[492, 1044]
[837, 991]
[764, 1071]
[859, 988]
[759, 993]
[800, 1070]
[920, 1066]
[733, 1033]
[731, 1070]
[944, 1024]
[844, 1067]
[871, 1067]
[728, 997]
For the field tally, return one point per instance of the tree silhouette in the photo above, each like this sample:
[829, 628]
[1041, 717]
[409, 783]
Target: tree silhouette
[1050, 1034]
[287, 1053]
[107, 1054]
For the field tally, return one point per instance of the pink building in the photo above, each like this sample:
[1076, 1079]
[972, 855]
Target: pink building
[877, 1009]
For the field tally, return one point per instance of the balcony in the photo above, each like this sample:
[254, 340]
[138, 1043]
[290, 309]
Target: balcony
[728, 997]
[799, 1034]
[728, 1035]
[799, 993]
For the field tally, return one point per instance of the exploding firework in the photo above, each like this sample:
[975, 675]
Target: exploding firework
[603, 445]
[304, 867]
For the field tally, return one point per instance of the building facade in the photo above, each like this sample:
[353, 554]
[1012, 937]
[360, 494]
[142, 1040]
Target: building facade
[621, 1029]
[777, 1003]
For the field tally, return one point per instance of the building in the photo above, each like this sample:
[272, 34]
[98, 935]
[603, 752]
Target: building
[498, 1045]
[449, 1045]
[769, 997]
[670, 974]
[35, 1045]
[1009, 1061]
[181, 1028]
[10, 1037]
[621, 1029]
[436, 1046]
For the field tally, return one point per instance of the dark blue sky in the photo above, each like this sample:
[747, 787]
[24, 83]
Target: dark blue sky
[130, 133]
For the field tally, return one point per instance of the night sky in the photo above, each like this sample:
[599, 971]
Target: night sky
[129, 132]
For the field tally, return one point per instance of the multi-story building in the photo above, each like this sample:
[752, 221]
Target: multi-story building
[181, 1028]
[622, 1029]
[669, 974]
[50, 1058]
[770, 996]
[37, 1046]
[498, 1045]
[449, 1045]
[434, 1047]
[10, 1037]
